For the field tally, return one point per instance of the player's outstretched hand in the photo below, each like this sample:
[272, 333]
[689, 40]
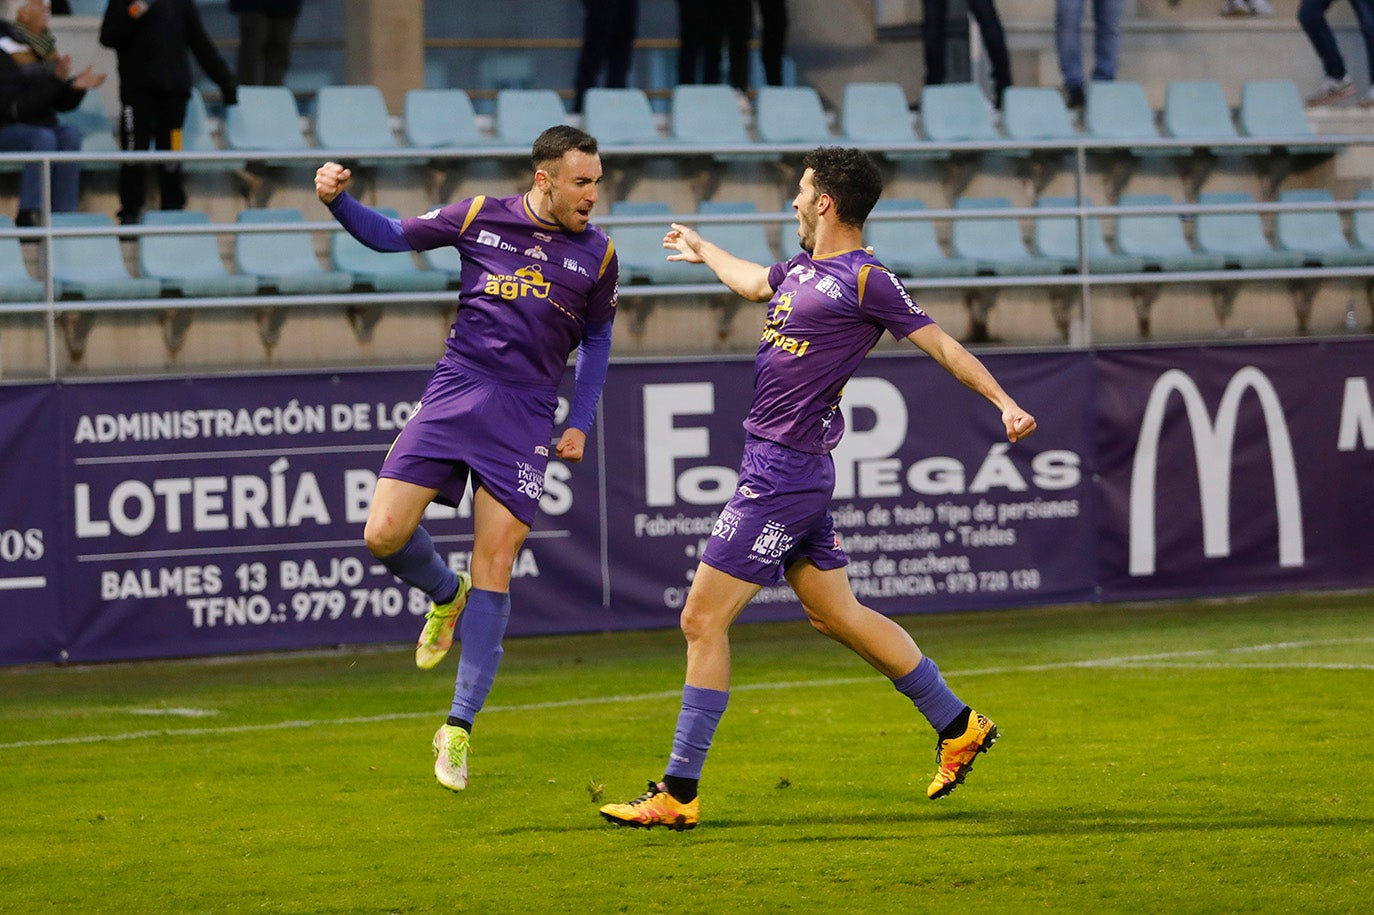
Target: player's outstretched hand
[686, 242]
[330, 181]
[570, 445]
[1019, 423]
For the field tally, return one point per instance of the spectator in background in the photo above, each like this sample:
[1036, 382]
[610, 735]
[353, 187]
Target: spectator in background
[608, 37]
[1068, 43]
[153, 41]
[35, 83]
[693, 30]
[265, 31]
[733, 21]
[772, 38]
[935, 15]
[1337, 85]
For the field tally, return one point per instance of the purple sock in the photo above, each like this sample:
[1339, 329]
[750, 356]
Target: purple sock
[926, 688]
[419, 564]
[480, 629]
[696, 725]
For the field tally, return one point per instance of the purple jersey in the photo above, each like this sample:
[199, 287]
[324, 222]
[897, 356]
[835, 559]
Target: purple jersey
[529, 288]
[825, 315]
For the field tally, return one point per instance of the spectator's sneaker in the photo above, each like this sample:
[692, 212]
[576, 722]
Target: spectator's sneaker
[437, 636]
[1236, 8]
[955, 756]
[1333, 90]
[451, 746]
[1261, 8]
[655, 807]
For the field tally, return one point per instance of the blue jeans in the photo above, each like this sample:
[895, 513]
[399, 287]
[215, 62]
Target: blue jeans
[1312, 18]
[1068, 39]
[66, 176]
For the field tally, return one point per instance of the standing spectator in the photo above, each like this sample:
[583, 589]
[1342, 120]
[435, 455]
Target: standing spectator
[608, 37]
[935, 15]
[35, 83]
[733, 20]
[1068, 43]
[772, 38]
[153, 41]
[265, 31]
[693, 30]
[1337, 84]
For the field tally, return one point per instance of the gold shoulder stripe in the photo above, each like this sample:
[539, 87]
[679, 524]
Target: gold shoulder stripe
[606, 260]
[473, 210]
[863, 280]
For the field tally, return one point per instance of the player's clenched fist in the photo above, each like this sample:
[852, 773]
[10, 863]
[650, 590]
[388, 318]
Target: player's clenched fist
[330, 181]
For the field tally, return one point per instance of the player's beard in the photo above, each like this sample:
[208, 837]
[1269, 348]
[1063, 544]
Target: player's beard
[806, 230]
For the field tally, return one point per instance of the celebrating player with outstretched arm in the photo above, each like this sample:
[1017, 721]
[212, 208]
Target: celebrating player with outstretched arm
[828, 306]
[537, 282]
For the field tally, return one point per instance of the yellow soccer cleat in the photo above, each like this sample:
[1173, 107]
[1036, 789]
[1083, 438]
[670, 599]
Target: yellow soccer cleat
[655, 807]
[437, 636]
[955, 756]
[451, 745]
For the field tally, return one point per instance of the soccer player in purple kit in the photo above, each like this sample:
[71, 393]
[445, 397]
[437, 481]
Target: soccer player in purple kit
[828, 306]
[537, 282]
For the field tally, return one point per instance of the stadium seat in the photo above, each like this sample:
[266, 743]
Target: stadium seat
[284, 261]
[196, 137]
[97, 130]
[709, 116]
[441, 118]
[188, 263]
[523, 114]
[352, 117]
[1119, 111]
[956, 113]
[16, 285]
[1036, 113]
[791, 114]
[265, 119]
[92, 266]
[1362, 221]
[878, 113]
[910, 247]
[446, 261]
[1318, 236]
[1239, 237]
[1197, 110]
[384, 271]
[748, 240]
[1158, 238]
[1057, 237]
[643, 259]
[1273, 108]
[620, 117]
[995, 243]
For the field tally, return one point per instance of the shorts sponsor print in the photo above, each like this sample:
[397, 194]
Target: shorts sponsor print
[466, 423]
[778, 515]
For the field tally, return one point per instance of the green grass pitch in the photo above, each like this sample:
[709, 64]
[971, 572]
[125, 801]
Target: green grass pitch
[1194, 757]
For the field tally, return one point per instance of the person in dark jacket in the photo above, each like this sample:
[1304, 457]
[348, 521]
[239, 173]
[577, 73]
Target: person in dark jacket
[35, 83]
[265, 31]
[153, 41]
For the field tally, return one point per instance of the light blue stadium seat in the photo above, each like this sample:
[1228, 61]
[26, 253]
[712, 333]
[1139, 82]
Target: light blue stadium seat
[352, 117]
[1318, 236]
[445, 260]
[384, 271]
[1239, 237]
[523, 114]
[878, 113]
[1057, 237]
[285, 260]
[265, 119]
[956, 112]
[16, 285]
[92, 266]
[1362, 221]
[197, 137]
[910, 247]
[791, 114]
[710, 116]
[1158, 238]
[995, 243]
[1274, 108]
[1119, 110]
[748, 240]
[643, 259]
[1197, 110]
[1036, 113]
[188, 263]
[97, 130]
[620, 117]
[441, 118]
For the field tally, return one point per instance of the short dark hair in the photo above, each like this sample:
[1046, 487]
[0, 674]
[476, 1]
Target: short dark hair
[850, 177]
[552, 144]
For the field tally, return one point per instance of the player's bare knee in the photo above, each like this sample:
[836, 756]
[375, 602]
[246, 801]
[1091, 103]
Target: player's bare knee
[381, 540]
[697, 625]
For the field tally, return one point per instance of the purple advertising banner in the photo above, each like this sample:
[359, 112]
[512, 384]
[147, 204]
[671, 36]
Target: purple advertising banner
[1236, 468]
[206, 515]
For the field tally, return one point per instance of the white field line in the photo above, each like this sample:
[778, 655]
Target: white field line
[1166, 660]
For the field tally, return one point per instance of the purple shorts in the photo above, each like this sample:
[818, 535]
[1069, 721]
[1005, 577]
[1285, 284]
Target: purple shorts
[466, 423]
[778, 515]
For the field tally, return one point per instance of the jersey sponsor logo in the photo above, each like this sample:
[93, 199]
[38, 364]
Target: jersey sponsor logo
[570, 263]
[432, 214]
[830, 287]
[1213, 446]
[901, 290]
[527, 281]
[529, 480]
[541, 450]
[535, 252]
[748, 493]
[777, 319]
[492, 240]
[771, 543]
[542, 236]
[727, 524]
